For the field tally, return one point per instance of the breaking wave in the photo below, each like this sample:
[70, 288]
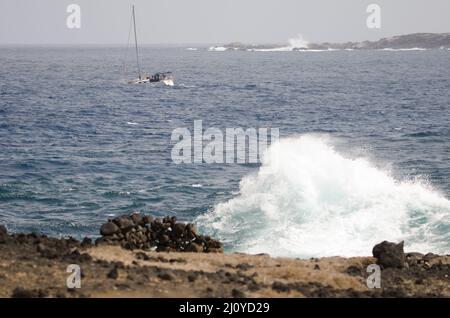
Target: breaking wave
[309, 200]
[298, 43]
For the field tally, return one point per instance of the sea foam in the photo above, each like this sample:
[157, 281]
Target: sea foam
[308, 200]
[298, 43]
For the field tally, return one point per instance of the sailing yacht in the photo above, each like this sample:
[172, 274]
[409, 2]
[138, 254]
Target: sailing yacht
[165, 77]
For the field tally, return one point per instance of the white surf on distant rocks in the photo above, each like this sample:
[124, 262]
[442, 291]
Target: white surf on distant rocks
[298, 43]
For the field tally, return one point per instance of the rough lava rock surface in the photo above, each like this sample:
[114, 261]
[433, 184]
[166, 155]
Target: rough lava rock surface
[389, 255]
[138, 231]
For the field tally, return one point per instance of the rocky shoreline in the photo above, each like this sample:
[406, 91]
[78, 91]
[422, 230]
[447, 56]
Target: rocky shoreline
[138, 256]
[137, 231]
[400, 42]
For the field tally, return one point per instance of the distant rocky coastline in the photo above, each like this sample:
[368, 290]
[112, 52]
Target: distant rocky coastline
[401, 42]
[141, 256]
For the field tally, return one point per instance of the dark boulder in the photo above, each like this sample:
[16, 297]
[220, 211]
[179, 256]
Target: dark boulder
[109, 229]
[191, 231]
[389, 255]
[164, 239]
[3, 229]
[136, 218]
[178, 229]
[124, 223]
[147, 219]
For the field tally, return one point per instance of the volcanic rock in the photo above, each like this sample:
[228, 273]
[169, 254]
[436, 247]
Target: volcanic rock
[166, 275]
[124, 222]
[113, 274]
[109, 228]
[136, 218]
[280, 287]
[389, 255]
[163, 235]
[147, 219]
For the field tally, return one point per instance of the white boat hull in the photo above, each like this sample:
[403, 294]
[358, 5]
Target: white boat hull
[166, 82]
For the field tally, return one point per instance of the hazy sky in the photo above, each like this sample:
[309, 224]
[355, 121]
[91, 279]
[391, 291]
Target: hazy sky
[216, 21]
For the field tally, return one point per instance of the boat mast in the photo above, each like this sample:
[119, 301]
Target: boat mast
[136, 44]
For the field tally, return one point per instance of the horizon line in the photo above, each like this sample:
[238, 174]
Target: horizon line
[199, 43]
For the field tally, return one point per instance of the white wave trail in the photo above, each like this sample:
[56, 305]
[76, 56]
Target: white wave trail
[308, 200]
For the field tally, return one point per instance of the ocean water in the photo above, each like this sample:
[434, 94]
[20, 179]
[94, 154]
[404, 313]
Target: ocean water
[363, 156]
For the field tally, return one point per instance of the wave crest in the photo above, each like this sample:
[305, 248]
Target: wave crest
[309, 200]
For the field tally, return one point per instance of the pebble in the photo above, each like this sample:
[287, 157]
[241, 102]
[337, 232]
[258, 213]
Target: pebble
[280, 287]
[113, 274]
[166, 275]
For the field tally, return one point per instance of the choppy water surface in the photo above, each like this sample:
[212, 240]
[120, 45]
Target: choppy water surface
[364, 154]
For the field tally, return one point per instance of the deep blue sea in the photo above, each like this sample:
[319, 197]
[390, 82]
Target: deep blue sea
[364, 153]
